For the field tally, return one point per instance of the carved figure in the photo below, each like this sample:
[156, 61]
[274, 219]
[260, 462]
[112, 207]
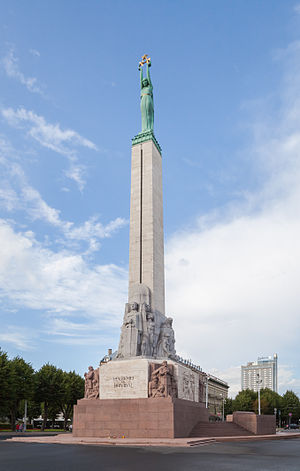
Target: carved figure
[160, 391]
[153, 385]
[189, 386]
[134, 307]
[145, 345]
[162, 382]
[144, 332]
[147, 106]
[167, 339]
[151, 334]
[91, 383]
[131, 332]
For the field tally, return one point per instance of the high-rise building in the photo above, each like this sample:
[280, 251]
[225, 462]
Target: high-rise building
[260, 374]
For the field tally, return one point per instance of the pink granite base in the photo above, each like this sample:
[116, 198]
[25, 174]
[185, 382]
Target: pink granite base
[257, 424]
[137, 418]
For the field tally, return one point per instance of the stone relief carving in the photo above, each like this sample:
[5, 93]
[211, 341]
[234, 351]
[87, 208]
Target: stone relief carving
[144, 332]
[189, 385]
[162, 381]
[91, 390]
[166, 346]
[202, 389]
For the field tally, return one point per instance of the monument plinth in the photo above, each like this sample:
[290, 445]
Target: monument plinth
[144, 391]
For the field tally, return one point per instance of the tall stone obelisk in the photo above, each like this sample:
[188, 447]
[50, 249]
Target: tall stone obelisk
[146, 247]
[146, 331]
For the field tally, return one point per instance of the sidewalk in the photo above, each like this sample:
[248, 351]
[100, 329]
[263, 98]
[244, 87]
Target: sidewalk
[68, 439]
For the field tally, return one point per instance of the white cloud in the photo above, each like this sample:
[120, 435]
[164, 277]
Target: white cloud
[48, 135]
[17, 195]
[232, 376]
[11, 66]
[233, 278]
[35, 52]
[60, 283]
[94, 228]
[287, 380]
[76, 173]
[52, 136]
[20, 338]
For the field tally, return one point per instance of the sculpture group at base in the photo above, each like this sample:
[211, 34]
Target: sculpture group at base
[144, 332]
[162, 382]
[91, 390]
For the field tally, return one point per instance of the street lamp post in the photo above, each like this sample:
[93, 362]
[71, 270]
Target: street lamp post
[25, 417]
[206, 392]
[259, 381]
[223, 406]
[223, 416]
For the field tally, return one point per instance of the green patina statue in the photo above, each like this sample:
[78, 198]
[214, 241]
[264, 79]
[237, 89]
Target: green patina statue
[147, 106]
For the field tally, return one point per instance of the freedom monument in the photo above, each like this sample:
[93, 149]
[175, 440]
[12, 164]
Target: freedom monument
[146, 390]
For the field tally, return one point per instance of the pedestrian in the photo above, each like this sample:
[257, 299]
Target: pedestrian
[21, 427]
[17, 427]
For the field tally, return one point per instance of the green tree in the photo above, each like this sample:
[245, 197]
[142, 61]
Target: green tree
[21, 386]
[228, 406]
[49, 389]
[269, 400]
[34, 410]
[290, 404]
[244, 401]
[73, 390]
[5, 383]
[53, 411]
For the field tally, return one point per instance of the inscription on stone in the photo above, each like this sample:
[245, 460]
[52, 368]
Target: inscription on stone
[123, 381]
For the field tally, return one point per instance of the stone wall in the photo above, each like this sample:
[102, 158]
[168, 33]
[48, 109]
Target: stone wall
[257, 424]
[136, 418]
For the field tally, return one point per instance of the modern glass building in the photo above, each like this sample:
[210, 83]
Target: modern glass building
[260, 374]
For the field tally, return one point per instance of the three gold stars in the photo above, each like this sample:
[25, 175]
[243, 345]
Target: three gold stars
[145, 60]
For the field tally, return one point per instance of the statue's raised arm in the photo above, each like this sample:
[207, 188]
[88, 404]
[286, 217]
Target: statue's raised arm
[141, 75]
[147, 107]
[148, 73]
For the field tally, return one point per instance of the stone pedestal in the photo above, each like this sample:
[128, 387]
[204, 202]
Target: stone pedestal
[129, 379]
[137, 418]
[141, 397]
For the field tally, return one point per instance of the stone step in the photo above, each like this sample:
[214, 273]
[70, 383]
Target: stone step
[218, 429]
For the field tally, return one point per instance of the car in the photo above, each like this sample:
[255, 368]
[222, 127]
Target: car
[291, 427]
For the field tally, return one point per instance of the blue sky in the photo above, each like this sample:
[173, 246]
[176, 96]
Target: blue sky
[226, 81]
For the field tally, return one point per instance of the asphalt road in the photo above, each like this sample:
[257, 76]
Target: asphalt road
[242, 456]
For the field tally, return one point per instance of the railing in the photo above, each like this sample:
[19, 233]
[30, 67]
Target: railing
[197, 368]
[187, 363]
[214, 378]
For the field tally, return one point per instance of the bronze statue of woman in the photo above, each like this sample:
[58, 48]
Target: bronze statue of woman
[147, 107]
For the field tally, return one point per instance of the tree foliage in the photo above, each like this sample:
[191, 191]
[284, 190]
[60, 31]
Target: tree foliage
[244, 401]
[269, 401]
[228, 406]
[5, 386]
[48, 392]
[290, 404]
[18, 385]
[48, 389]
[73, 386]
